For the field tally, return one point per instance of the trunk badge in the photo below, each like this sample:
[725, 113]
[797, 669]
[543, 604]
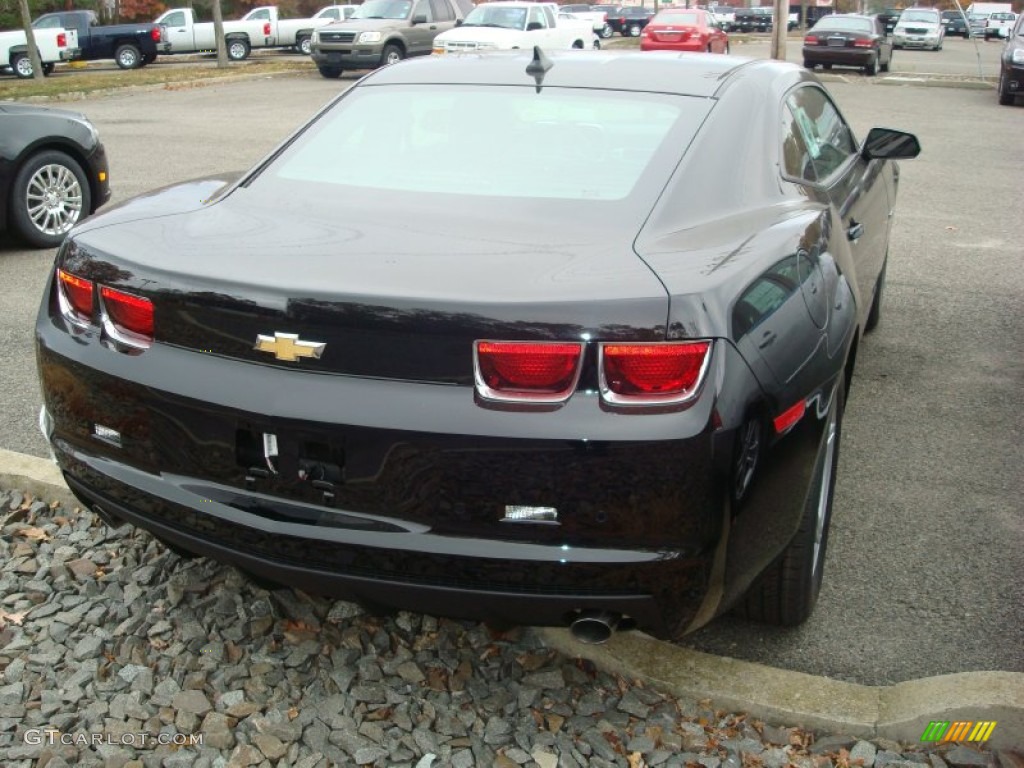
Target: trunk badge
[288, 346]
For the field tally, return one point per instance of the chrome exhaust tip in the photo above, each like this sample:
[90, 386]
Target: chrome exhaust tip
[594, 627]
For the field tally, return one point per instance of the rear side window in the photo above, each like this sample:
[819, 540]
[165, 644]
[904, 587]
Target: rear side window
[828, 139]
[442, 11]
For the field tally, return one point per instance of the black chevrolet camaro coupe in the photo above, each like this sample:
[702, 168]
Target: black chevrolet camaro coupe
[554, 339]
[53, 172]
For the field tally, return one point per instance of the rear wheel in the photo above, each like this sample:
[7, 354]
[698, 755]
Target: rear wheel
[875, 313]
[330, 72]
[634, 30]
[238, 49]
[128, 56]
[808, 64]
[49, 196]
[606, 31]
[872, 66]
[48, 69]
[883, 66]
[785, 594]
[21, 65]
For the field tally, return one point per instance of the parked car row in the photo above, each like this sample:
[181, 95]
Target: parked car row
[78, 35]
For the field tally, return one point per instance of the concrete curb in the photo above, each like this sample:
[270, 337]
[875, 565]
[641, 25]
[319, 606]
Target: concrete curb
[900, 712]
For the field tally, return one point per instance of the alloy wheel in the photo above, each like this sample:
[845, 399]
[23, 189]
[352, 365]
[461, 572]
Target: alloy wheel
[54, 199]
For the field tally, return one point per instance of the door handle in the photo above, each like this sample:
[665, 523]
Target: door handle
[855, 231]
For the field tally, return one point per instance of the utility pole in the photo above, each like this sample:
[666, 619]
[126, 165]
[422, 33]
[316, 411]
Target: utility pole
[780, 27]
[218, 33]
[30, 39]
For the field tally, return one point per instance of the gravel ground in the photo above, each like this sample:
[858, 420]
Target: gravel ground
[115, 652]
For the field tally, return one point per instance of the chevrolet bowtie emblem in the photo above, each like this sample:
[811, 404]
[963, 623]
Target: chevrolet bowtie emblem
[288, 346]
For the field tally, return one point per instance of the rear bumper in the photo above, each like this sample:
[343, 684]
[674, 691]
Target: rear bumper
[688, 46]
[851, 57]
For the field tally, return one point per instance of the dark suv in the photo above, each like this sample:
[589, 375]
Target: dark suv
[1011, 65]
[955, 23]
[630, 21]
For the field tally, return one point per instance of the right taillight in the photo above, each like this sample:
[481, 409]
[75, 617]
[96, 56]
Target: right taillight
[62, 40]
[527, 371]
[653, 374]
[811, 40]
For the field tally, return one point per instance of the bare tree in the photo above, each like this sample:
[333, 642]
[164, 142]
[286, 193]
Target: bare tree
[30, 39]
[218, 29]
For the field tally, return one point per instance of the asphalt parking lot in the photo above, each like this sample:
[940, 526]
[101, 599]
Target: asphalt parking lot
[925, 554]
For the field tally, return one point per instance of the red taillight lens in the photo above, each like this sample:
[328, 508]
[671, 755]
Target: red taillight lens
[863, 44]
[128, 313]
[62, 40]
[527, 371]
[266, 29]
[785, 420]
[155, 34]
[77, 292]
[810, 40]
[653, 373]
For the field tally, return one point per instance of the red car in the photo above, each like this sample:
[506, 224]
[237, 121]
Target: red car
[681, 29]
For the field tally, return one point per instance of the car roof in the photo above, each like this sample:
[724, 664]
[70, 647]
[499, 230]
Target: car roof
[660, 72]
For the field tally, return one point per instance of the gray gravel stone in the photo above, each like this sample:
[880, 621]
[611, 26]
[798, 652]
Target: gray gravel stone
[864, 751]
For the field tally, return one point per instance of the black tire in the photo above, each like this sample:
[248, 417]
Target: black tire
[128, 56]
[392, 54]
[597, 45]
[826, 66]
[577, 45]
[606, 31]
[875, 313]
[1006, 97]
[634, 30]
[332, 73]
[50, 194]
[888, 63]
[238, 49]
[21, 65]
[728, 49]
[148, 58]
[785, 594]
[303, 45]
[48, 68]
[872, 67]
[808, 64]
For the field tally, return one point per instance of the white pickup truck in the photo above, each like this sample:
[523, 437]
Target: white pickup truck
[508, 24]
[296, 33]
[598, 19]
[54, 44]
[186, 35]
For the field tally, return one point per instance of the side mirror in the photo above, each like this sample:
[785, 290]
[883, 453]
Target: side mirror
[534, 26]
[458, 22]
[889, 144]
[420, 18]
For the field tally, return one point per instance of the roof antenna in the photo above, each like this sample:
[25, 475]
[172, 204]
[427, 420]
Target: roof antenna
[539, 66]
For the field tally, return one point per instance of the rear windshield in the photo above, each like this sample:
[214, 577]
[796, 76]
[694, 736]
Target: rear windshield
[835, 22]
[480, 141]
[678, 17]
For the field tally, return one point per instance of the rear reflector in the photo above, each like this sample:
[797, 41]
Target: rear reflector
[128, 318]
[661, 373]
[526, 371]
[785, 420]
[76, 297]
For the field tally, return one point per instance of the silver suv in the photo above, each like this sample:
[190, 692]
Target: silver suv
[383, 32]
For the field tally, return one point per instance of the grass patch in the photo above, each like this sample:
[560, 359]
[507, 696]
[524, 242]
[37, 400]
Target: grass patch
[68, 81]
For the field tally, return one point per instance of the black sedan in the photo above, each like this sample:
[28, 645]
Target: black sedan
[523, 340]
[53, 172]
[1011, 65]
[848, 40]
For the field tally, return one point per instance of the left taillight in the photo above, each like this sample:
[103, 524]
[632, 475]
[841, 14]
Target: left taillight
[155, 34]
[123, 317]
[526, 371]
[75, 296]
[665, 373]
[127, 318]
[62, 40]
[266, 29]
